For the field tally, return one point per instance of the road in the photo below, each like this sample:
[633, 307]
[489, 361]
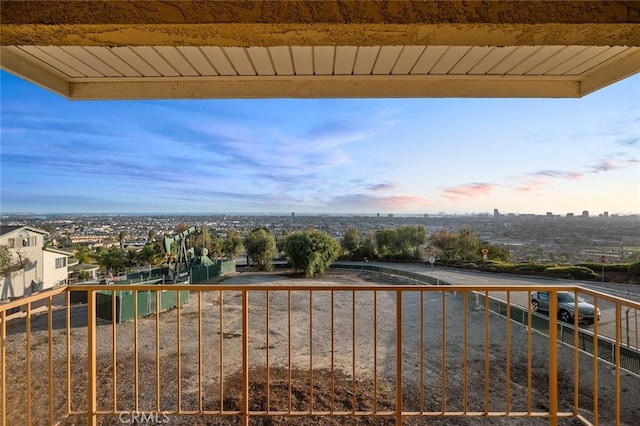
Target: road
[606, 325]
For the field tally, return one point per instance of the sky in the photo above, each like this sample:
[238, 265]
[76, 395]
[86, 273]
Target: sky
[325, 156]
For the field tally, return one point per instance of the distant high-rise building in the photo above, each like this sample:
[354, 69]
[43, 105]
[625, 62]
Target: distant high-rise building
[390, 215]
[293, 214]
[496, 213]
[569, 214]
[585, 213]
[606, 214]
[549, 214]
[378, 214]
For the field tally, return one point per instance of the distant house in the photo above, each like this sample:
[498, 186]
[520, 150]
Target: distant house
[44, 267]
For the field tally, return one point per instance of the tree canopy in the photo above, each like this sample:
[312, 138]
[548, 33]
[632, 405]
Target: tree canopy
[261, 248]
[232, 245]
[310, 251]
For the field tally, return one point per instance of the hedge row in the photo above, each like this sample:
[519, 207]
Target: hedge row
[582, 271]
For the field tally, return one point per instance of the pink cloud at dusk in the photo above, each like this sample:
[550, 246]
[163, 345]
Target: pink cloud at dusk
[470, 190]
[534, 184]
[396, 202]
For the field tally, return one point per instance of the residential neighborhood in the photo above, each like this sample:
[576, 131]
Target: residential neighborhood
[35, 267]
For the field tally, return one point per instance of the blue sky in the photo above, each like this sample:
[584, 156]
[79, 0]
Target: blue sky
[401, 156]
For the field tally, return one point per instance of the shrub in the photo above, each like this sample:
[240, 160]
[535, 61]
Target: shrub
[572, 272]
[634, 269]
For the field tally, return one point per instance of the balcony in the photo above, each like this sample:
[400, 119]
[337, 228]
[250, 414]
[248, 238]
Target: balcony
[376, 353]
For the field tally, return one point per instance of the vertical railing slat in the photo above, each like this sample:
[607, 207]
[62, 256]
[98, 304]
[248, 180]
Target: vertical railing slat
[245, 357]
[398, 357]
[92, 419]
[553, 358]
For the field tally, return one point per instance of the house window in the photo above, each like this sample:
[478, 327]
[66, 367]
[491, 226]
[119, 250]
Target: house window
[11, 243]
[29, 241]
[61, 262]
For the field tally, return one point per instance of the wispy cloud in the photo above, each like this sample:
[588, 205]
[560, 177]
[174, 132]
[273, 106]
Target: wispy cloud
[470, 190]
[630, 141]
[604, 166]
[381, 187]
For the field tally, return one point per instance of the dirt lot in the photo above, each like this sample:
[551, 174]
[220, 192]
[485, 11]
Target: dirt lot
[346, 373]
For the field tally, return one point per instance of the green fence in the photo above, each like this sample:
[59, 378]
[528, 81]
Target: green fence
[206, 273]
[146, 303]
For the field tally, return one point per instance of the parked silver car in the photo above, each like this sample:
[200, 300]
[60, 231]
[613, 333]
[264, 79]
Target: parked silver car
[566, 306]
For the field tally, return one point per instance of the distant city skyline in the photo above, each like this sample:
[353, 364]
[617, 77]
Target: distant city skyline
[320, 156]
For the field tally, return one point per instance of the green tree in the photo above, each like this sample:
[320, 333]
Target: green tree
[111, 260]
[131, 258]
[150, 255]
[384, 242]
[367, 249]
[84, 255]
[416, 237]
[232, 245]
[261, 248]
[350, 241]
[496, 251]
[215, 248]
[311, 251]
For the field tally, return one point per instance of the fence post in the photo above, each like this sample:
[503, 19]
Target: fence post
[398, 357]
[245, 357]
[92, 419]
[553, 358]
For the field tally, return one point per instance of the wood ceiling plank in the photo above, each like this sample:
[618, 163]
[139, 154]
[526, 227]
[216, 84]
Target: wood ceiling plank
[490, 60]
[387, 59]
[510, 61]
[151, 56]
[52, 61]
[198, 60]
[106, 55]
[365, 58]
[549, 64]
[83, 54]
[533, 60]
[449, 59]
[407, 59]
[429, 57]
[71, 61]
[345, 59]
[599, 56]
[177, 61]
[302, 60]
[282, 62]
[261, 60]
[323, 59]
[219, 60]
[470, 59]
[130, 57]
[240, 60]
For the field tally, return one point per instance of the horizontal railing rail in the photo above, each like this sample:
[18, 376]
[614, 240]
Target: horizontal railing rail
[392, 351]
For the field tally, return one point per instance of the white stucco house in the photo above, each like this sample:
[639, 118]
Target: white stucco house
[44, 267]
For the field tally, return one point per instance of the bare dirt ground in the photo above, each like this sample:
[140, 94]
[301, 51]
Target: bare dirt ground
[312, 362]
